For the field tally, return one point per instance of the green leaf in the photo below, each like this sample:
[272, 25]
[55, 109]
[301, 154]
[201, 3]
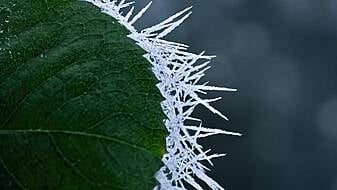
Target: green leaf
[78, 104]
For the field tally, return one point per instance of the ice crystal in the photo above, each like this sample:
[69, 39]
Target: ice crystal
[178, 73]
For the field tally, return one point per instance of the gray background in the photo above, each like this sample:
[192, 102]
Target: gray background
[281, 55]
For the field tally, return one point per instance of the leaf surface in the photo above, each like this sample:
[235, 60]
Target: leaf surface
[78, 104]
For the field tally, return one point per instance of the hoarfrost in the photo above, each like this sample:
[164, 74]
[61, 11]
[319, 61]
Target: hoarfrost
[179, 73]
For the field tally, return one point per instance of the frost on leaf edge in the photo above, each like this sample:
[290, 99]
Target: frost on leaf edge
[178, 72]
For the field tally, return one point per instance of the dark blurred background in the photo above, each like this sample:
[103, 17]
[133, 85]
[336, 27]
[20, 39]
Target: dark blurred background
[282, 57]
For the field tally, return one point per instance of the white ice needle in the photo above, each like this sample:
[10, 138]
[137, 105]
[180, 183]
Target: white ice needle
[178, 72]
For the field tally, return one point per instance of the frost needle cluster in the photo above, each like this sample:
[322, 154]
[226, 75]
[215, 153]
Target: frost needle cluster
[179, 73]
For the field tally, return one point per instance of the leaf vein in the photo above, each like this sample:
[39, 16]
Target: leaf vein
[76, 133]
[12, 174]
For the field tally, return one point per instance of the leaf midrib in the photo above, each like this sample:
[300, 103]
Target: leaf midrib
[76, 133]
